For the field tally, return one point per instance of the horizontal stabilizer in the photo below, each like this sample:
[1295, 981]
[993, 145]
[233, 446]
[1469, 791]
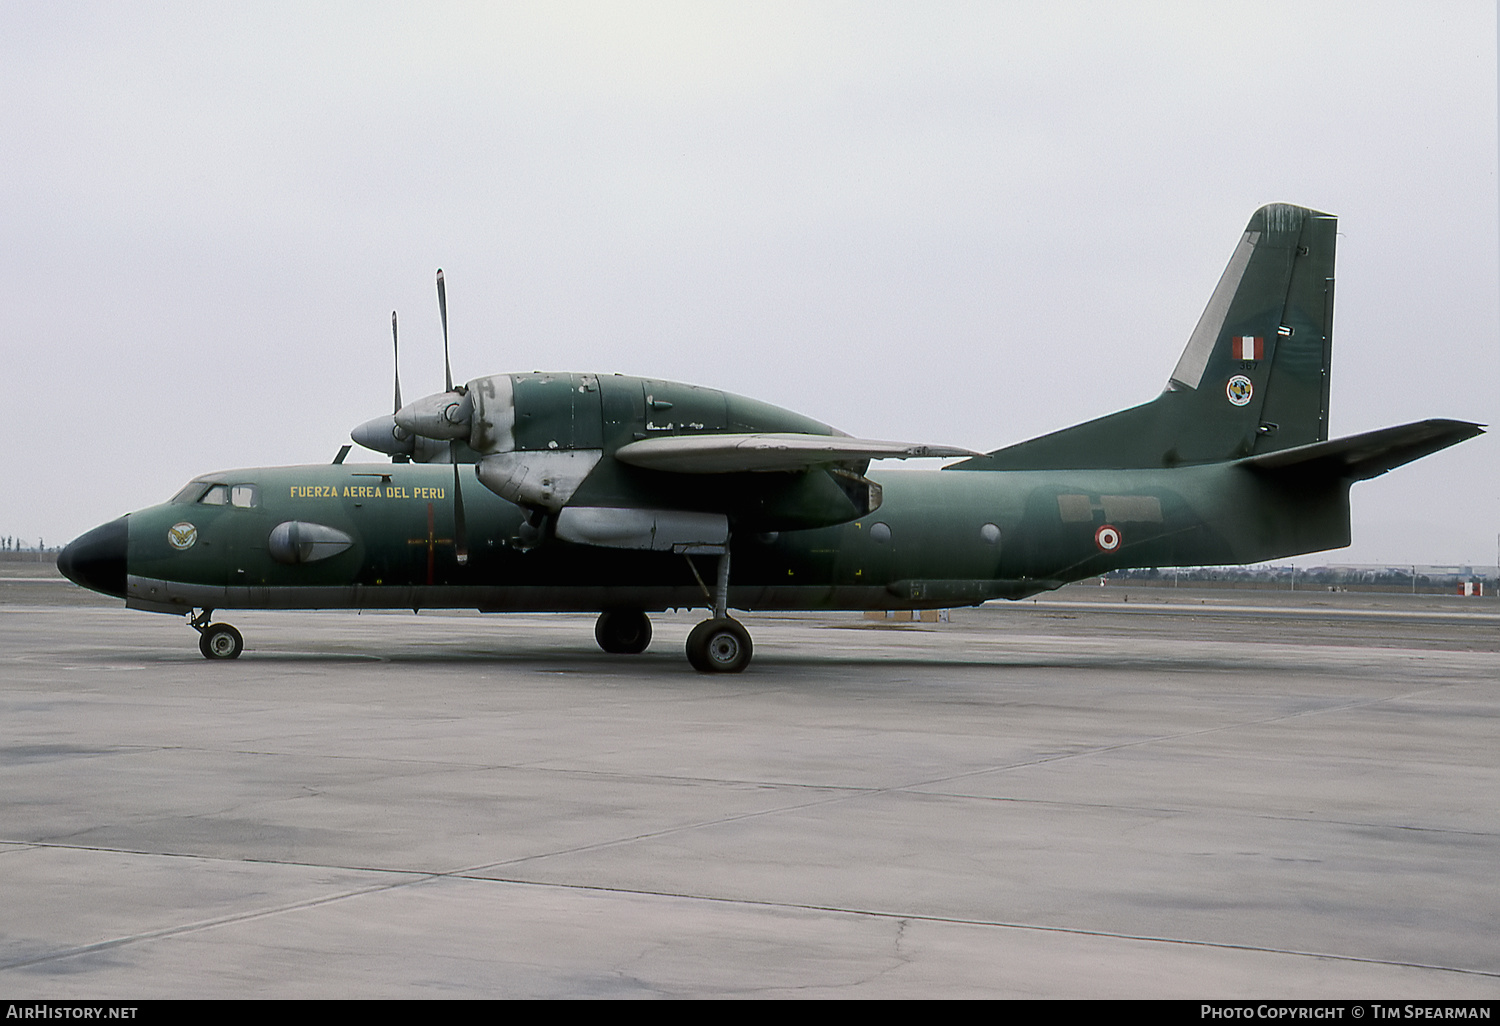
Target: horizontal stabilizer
[1367, 455]
[783, 452]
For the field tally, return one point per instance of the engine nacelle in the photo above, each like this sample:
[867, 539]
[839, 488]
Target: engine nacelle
[548, 412]
[546, 441]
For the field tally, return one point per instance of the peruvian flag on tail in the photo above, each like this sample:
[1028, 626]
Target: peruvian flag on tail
[1247, 347]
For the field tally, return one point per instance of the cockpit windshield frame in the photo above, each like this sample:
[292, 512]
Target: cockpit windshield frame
[207, 492]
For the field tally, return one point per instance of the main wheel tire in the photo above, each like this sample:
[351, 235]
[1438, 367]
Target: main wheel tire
[220, 641]
[719, 646]
[623, 631]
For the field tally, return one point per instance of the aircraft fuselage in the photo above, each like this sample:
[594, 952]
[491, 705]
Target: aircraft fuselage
[938, 539]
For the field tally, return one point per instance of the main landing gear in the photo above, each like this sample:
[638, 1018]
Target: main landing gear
[717, 645]
[216, 640]
[623, 631]
[720, 645]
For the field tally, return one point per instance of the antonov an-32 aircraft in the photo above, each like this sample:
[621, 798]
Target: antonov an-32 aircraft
[623, 495]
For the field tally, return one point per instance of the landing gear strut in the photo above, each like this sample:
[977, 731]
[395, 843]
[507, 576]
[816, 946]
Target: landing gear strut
[623, 631]
[720, 645]
[216, 640]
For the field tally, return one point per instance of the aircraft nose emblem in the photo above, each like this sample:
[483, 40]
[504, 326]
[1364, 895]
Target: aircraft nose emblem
[182, 536]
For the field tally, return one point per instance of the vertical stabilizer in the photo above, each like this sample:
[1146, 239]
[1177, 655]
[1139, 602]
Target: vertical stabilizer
[1253, 378]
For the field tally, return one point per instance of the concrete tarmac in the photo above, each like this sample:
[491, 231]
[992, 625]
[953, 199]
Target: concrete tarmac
[1186, 795]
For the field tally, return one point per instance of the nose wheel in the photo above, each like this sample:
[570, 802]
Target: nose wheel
[216, 640]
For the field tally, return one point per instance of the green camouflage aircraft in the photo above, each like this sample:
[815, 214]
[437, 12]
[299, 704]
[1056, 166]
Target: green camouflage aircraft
[584, 492]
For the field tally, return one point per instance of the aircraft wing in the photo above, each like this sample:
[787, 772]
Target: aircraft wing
[733, 454]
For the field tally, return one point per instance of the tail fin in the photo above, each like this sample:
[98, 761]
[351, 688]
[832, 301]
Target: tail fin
[1253, 378]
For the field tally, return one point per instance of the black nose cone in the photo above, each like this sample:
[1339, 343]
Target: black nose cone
[96, 560]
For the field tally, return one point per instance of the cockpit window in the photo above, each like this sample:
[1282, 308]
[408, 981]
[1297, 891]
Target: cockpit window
[209, 493]
[191, 492]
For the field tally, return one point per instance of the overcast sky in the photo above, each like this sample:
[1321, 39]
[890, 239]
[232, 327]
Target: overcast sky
[940, 222]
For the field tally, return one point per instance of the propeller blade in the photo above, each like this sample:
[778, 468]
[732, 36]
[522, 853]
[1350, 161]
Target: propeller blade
[396, 345]
[443, 313]
[460, 532]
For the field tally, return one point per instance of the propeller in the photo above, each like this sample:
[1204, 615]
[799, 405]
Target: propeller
[443, 313]
[396, 345]
[447, 416]
[460, 532]
[400, 435]
[420, 428]
[383, 434]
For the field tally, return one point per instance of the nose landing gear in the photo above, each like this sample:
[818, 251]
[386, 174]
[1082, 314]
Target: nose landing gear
[216, 640]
